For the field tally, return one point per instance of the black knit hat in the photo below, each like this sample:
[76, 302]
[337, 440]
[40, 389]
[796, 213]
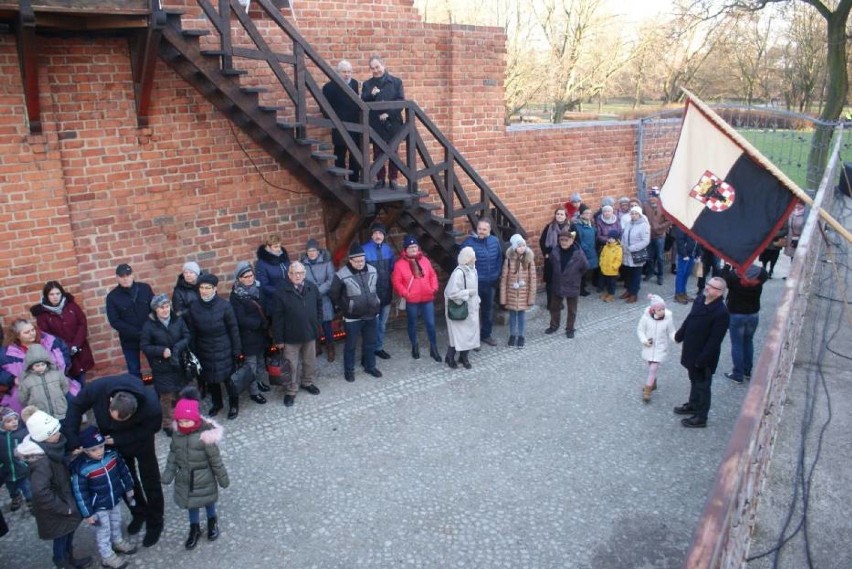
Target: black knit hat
[208, 278]
[355, 250]
[379, 227]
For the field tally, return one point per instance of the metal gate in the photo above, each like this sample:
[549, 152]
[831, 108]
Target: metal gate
[783, 137]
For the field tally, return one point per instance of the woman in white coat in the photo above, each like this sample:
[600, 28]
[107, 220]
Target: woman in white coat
[463, 287]
[655, 330]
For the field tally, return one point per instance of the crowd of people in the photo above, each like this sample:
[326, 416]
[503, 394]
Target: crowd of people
[200, 345]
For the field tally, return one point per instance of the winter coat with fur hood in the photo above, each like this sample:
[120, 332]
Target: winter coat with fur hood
[53, 503]
[195, 465]
[518, 280]
[44, 390]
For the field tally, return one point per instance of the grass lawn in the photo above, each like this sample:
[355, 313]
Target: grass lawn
[787, 149]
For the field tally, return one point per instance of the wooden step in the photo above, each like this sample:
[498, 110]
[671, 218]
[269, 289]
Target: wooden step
[234, 72]
[357, 185]
[308, 141]
[252, 90]
[195, 33]
[212, 52]
[323, 156]
[338, 171]
[269, 108]
[386, 195]
[288, 125]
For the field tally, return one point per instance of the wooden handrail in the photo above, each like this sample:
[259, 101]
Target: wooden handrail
[300, 85]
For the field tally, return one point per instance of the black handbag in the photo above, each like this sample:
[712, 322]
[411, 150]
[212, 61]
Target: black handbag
[455, 310]
[240, 380]
[640, 257]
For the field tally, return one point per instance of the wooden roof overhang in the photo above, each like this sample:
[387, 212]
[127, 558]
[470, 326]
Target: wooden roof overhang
[141, 21]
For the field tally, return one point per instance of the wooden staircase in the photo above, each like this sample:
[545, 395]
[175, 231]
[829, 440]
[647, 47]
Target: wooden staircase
[261, 73]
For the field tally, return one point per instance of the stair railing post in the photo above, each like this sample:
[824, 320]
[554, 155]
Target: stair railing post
[411, 149]
[225, 38]
[367, 161]
[301, 91]
[449, 194]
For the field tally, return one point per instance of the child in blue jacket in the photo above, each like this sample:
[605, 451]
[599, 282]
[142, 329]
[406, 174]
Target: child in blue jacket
[99, 479]
[13, 470]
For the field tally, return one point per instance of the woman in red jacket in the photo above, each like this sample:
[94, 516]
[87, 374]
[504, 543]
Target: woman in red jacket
[415, 280]
[59, 315]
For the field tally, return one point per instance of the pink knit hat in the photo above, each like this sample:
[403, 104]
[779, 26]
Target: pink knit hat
[656, 302]
[187, 410]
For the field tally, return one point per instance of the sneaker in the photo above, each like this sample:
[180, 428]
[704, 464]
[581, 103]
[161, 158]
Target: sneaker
[512, 340]
[114, 562]
[693, 422]
[17, 502]
[520, 343]
[124, 546]
[734, 378]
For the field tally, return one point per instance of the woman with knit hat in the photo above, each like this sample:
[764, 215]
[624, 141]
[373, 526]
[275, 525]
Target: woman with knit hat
[518, 287]
[186, 288]
[634, 239]
[319, 269]
[655, 330]
[164, 337]
[195, 466]
[415, 280]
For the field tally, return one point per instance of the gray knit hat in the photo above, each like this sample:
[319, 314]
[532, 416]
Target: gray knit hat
[159, 300]
[191, 266]
[242, 268]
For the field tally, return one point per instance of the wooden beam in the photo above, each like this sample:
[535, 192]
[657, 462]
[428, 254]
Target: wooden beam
[143, 56]
[28, 58]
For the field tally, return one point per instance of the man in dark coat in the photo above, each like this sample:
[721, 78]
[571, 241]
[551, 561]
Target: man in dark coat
[127, 308]
[489, 265]
[296, 318]
[702, 333]
[568, 264]
[383, 86]
[353, 291]
[128, 414]
[347, 110]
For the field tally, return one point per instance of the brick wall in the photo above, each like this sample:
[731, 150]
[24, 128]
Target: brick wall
[95, 190]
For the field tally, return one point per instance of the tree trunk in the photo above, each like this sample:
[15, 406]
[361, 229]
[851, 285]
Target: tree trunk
[836, 90]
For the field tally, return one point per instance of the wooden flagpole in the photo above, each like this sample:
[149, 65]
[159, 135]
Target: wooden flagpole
[759, 158]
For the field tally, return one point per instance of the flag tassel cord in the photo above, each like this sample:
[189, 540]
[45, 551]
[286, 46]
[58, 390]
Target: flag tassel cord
[758, 157]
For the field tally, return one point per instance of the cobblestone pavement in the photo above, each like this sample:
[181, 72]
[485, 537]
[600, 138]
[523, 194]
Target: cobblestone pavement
[536, 458]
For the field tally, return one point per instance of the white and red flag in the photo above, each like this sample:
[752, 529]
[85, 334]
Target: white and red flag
[720, 191]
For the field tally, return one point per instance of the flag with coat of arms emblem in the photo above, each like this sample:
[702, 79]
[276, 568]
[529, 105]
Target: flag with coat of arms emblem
[719, 190]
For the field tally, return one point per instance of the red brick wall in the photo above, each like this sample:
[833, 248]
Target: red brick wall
[95, 191]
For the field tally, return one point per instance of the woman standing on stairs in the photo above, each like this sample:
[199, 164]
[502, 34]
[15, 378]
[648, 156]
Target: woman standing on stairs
[415, 280]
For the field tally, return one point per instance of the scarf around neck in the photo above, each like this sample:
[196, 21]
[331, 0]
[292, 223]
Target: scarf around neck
[55, 309]
[250, 292]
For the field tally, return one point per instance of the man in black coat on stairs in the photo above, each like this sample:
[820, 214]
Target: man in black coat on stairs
[347, 110]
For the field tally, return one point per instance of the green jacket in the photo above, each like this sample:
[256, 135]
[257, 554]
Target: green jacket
[195, 466]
